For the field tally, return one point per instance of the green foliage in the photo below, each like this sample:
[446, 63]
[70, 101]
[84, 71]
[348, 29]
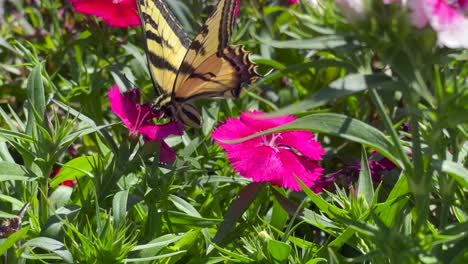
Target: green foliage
[375, 84]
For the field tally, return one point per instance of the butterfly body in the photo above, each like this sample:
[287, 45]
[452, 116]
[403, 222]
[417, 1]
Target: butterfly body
[184, 70]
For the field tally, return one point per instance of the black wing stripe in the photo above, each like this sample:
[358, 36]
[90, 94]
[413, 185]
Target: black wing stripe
[160, 62]
[227, 23]
[173, 24]
[152, 36]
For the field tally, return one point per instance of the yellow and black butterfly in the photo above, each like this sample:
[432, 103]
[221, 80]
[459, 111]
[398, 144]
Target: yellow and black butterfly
[182, 70]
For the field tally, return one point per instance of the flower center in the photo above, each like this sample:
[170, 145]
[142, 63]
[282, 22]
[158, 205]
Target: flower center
[270, 140]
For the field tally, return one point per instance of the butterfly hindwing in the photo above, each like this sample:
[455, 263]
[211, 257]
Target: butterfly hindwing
[221, 75]
[166, 43]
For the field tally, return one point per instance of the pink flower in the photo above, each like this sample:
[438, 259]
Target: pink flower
[293, 2]
[274, 158]
[138, 119]
[448, 18]
[116, 13]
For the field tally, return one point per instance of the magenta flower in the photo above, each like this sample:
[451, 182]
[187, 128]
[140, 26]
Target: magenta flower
[349, 174]
[138, 119]
[293, 2]
[116, 13]
[448, 18]
[236, 9]
[274, 158]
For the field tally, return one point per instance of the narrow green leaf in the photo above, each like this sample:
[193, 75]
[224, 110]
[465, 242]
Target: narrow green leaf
[163, 256]
[11, 134]
[323, 205]
[7, 45]
[184, 206]
[11, 200]
[240, 258]
[348, 85]
[119, 208]
[316, 260]
[320, 64]
[159, 242]
[36, 97]
[365, 187]
[12, 171]
[318, 43]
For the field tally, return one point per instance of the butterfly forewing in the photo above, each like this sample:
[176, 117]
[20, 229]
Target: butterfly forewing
[214, 36]
[206, 67]
[166, 43]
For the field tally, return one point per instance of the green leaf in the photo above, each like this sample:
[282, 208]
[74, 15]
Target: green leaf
[191, 221]
[74, 169]
[14, 172]
[323, 205]
[337, 125]
[365, 187]
[279, 251]
[12, 239]
[317, 43]
[163, 256]
[184, 206]
[396, 201]
[307, 215]
[240, 258]
[11, 134]
[455, 170]
[51, 245]
[316, 260]
[119, 208]
[11, 200]
[6, 45]
[320, 64]
[348, 85]
[60, 196]
[237, 208]
[36, 97]
[159, 242]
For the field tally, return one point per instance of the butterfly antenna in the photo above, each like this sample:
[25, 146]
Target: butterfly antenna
[128, 80]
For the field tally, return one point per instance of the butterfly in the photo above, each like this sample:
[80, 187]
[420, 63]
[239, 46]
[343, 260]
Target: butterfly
[184, 70]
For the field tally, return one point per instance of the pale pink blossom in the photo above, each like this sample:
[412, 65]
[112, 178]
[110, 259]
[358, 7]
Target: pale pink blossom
[274, 158]
[353, 9]
[116, 13]
[448, 18]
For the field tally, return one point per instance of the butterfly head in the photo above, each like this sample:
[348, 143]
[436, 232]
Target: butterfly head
[176, 110]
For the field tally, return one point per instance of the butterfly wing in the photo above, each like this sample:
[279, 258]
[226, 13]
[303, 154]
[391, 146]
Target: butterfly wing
[211, 67]
[166, 43]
